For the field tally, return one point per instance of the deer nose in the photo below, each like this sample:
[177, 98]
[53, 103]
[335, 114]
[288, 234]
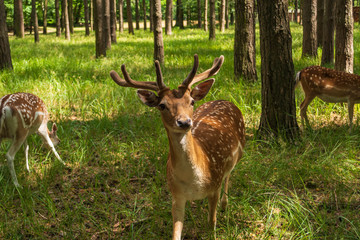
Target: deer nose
[184, 123]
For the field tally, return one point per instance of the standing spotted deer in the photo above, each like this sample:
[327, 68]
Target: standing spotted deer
[330, 86]
[23, 114]
[205, 144]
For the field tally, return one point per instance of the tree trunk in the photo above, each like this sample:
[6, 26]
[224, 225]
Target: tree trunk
[151, 15]
[62, 15]
[100, 43]
[309, 28]
[45, 17]
[78, 13]
[91, 16]
[5, 54]
[205, 15]
[222, 15]
[319, 19]
[328, 33]
[35, 20]
[18, 19]
[66, 21]
[71, 16]
[144, 11]
[113, 20]
[244, 47]
[180, 11]
[129, 17]
[296, 11]
[57, 18]
[137, 14]
[106, 22]
[199, 13]
[344, 49]
[158, 38]
[168, 17]
[212, 20]
[278, 113]
[188, 16]
[86, 13]
[121, 16]
[226, 14]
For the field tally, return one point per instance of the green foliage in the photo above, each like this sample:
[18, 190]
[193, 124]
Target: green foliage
[114, 186]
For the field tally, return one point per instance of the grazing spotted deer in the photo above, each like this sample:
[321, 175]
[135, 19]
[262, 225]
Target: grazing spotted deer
[330, 86]
[23, 114]
[205, 145]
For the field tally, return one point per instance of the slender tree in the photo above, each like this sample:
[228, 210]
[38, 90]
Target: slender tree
[226, 14]
[222, 15]
[121, 15]
[5, 53]
[35, 20]
[129, 17]
[278, 113]
[71, 15]
[106, 22]
[66, 21]
[91, 16]
[113, 20]
[199, 13]
[309, 45]
[180, 14]
[328, 33]
[319, 24]
[57, 18]
[212, 20]
[151, 15]
[144, 13]
[344, 49]
[168, 17]
[244, 46]
[137, 14]
[86, 15]
[296, 11]
[45, 17]
[205, 15]
[100, 43]
[18, 19]
[158, 38]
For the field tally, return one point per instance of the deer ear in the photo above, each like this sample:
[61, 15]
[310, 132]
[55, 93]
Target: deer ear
[200, 91]
[54, 127]
[147, 97]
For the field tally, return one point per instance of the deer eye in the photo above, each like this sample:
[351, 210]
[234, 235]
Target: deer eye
[161, 106]
[192, 102]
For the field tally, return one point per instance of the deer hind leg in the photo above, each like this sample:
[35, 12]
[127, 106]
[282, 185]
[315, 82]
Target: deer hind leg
[351, 104]
[213, 200]
[178, 212]
[303, 108]
[10, 156]
[224, 198]
[43, 132]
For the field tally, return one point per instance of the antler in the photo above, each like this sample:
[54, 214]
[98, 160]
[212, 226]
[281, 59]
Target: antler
[192, 78]
[128, 82]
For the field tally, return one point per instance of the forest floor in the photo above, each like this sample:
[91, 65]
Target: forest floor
[114, 183]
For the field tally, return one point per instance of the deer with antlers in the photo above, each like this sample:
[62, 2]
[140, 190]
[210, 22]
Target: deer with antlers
[21, 115]
[205, 144]
[330, 86]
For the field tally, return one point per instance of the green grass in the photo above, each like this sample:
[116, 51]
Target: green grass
[116, 149]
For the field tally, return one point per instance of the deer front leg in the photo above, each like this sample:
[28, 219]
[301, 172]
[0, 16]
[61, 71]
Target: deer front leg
[26, 149]
[213, 200]
[303, 108]
[351, 104]
[10, 156]
[43, 132]
[178, 212]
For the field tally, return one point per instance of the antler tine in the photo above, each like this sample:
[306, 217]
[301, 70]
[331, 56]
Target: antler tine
[210, 72]
[159, 77]
[128, 82]
[192, 74]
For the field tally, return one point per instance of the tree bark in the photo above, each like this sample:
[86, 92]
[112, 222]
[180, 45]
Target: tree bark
[278, 113]
[100, 43]
[199, 13]
[327, 56]
[71, 15]
[244, 46]
[151, 15]
[129, 17]
[222, 15]
[107, 30]
[91, 16]
[35, 20]
[86, 13]
[296, 11]
[5, 53]
[18, 19]
[66, 21]
[212, 20]
[180, 14]
[45, 17]
[137, 14]
[226, 14]
[121, 16]
[168, 17]
[144, 11]
[113, 20]
[205, 15]
[344, 49]
[158, 38]
[309, 45]
[319, 19]
[57, 18]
